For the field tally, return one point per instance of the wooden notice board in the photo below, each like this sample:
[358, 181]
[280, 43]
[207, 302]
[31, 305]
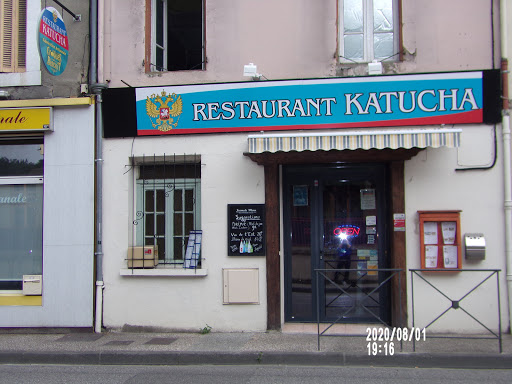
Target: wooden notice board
[246, 229]
[440, 240]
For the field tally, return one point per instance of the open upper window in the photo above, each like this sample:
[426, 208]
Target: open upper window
[177, 35]
[368, 30]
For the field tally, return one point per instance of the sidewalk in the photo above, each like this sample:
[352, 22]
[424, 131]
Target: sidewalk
[245, 348]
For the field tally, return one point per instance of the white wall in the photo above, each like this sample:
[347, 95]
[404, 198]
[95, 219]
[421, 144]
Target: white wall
[431, 183]
[68, 226]
[181, 303]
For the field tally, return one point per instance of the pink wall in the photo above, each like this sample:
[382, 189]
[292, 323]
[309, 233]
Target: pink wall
[297, 39]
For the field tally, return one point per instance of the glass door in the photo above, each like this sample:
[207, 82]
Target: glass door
[334, 221]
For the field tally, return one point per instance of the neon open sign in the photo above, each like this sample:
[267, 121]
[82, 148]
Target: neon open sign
[347, 231]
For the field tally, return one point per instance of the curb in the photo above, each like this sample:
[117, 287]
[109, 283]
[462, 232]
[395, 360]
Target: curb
[403, 360]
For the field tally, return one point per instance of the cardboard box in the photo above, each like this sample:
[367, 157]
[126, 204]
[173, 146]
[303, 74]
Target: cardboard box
[142, 257]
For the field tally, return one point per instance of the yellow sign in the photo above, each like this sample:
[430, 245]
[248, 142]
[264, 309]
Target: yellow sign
[25, 119]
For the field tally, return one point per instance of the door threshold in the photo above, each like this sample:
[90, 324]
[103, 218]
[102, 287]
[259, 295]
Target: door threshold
[335, 329]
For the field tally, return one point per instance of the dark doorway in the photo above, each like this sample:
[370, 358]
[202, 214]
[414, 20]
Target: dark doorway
[334, 218]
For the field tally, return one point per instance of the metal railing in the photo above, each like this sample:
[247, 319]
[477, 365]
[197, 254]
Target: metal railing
[456, 304]
[357, 303]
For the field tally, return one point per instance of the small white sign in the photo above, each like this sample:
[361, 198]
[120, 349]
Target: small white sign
[431, 256]
[448, 228]
[430, 233]
[450, 256]
[367, 199]
[371, 220]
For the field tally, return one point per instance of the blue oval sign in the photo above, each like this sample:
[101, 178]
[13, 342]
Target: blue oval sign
[53, 41]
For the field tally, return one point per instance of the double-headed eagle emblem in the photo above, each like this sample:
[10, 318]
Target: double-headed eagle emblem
[163, 113]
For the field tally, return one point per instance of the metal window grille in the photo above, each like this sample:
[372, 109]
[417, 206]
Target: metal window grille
[167, 208]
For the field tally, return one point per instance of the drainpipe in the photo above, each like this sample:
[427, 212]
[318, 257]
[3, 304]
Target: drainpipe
[506, 155]
[96, 89]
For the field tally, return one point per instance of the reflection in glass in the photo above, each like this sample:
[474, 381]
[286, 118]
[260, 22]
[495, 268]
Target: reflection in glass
[349, 249]
[22, 158]
[21, 231]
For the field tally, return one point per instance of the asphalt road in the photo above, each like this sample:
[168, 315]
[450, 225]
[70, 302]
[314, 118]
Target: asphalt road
[130, 374]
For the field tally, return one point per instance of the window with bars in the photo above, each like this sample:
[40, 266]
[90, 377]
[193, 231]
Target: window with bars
[13, 35]
[368, 30]
[168, 207]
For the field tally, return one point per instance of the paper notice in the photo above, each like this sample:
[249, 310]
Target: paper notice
[448, 229]
[429, 232]
[450, 256]
[367, 199]
[431, 256]
[371, 220]
[372, 265]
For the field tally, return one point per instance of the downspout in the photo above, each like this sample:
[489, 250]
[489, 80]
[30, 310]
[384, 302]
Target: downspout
[506, 155]
[96, 89]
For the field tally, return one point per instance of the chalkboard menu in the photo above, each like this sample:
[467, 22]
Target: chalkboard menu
[246, 229]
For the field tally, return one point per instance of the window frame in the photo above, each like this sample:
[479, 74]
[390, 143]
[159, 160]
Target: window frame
[143, 185]
[6, 286]
[150, 38]
[368, 33]
[31, 75]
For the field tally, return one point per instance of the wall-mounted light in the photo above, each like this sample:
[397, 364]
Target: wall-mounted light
[251, 70]
[375, 68]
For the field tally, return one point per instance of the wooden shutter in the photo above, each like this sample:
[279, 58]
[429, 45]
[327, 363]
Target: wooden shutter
[13, 35]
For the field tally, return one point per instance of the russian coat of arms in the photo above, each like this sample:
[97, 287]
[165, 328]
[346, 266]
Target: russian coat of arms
[162, 109]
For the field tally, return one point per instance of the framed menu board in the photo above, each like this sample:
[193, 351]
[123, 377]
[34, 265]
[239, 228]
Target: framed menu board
[440, 240]
[246, 229]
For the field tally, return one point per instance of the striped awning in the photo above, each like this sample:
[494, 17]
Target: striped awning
[363, 139]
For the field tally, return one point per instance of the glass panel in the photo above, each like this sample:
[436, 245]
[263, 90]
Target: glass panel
[178, 224]
[160, 200]
[353, 47]
[160, 59]
[383, 15]
[178, 202]
[178, 248]
[171, 171]
[160, 225]
[150, 200]
[301, 296]
[21, 231]
[189, 222]
[21, 159]
[353, 16]
[159, 23]
[350, 247]
[161, 248]
[189, 200]
[383, 45]
[150, 240]
[150, 224]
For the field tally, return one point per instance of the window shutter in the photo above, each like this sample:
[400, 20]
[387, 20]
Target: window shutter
[21, 42]
[6, 31]
[13, 24]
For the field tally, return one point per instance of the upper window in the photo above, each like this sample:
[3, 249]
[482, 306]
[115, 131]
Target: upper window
[13, 31]
[19, 56]
[368, 30]
[176, 35]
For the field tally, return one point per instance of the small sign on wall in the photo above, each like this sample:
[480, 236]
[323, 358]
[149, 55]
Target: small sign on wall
[399, 222]
[246, 229]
